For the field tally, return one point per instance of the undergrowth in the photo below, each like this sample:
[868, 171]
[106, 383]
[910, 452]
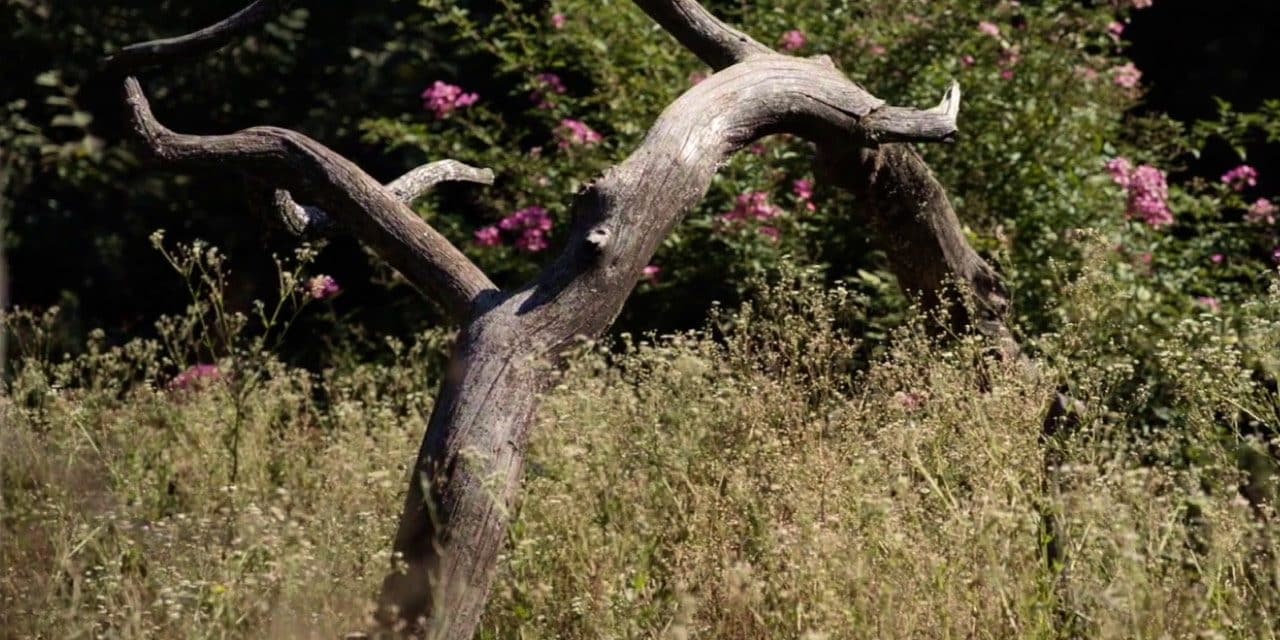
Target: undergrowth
[746, 481]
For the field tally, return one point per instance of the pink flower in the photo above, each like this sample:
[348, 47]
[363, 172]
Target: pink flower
[752, 206]
[1006, 74]
[548, 83]
[577, 132]
[1148, 191]
[1241, 177]
[1262, 211]
[1142, 4]
[651, 273]
[771, 233]
[967, 60]
[1120, 168]
[1115, 30]
[1217, 258]
[794, 40]
[534, 217]
[1275, 255]
[532, 240]
[1126, 75]
[989, 28]
[804, 193]
[1209, 302]
[558, 20]
[195, 377]
[803, 189]
[1148, 197]
[489, 236]
[442, 99]
[533, 225]
[323, 287]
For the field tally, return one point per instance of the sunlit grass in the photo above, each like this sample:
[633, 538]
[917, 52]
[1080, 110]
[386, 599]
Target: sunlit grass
[747, 484]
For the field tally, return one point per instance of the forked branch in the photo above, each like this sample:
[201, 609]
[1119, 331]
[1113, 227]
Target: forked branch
[357, 201]
[311, 221]
[713, 41]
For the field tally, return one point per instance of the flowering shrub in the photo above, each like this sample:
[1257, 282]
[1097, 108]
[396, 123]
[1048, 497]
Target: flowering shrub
[1049, 154]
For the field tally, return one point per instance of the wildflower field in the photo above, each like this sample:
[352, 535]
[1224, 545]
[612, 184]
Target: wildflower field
[779, 430]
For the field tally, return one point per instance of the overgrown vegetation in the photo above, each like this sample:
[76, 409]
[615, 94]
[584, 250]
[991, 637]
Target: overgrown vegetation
[743, 481]
[812, 462]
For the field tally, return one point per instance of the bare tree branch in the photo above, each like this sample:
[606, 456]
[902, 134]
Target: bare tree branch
[196, 43]
[429, 261]
[312, 221]
[420, 181]
[713, 41]
[471, 460]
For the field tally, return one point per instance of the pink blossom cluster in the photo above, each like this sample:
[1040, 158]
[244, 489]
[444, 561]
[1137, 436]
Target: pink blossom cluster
[1009, 58]
[754, 206]
[1241, 177]
[793, 40]
[1116, 30]
[531, 226]
[1148, 191]
[1126, 75]
[442, 98]
[548, 84]
[803, 189]
[322, 287]
[558, 20]
[1262, 211]
[195, 377]
[577, 132]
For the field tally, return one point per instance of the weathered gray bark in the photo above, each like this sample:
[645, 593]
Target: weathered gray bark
[470, 464]
[311, 221]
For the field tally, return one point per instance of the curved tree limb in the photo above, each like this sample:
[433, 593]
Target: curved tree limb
[908, 209]
[429, 261]
[312, 221]
[713, 41]
[206, 40]
[470, 464]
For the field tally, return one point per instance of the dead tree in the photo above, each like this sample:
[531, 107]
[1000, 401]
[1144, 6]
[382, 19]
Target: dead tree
[469, 468]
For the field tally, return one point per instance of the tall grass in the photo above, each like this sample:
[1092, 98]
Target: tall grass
[746, 481]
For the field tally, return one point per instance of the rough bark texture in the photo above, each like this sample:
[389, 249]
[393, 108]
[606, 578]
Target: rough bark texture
[311, 221]
[469, 468]
[470, 464]
[911, 217]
